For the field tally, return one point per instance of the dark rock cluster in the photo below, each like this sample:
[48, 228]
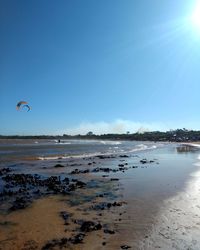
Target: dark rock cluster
[4, 171]
[106, 205]
[26, 187]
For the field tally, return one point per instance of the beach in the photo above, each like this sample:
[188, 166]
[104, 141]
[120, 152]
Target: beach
[99, 195]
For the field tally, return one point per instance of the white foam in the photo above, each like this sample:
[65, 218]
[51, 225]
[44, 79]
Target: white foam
[142, 147]
[65, 143]
[110, 142]
[68, 156]
[191, 144]
[112, 151]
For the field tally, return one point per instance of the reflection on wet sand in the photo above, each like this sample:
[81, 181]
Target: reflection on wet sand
[184, 148]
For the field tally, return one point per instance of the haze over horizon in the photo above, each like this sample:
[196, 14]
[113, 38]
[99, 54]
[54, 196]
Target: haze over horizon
[107, 66]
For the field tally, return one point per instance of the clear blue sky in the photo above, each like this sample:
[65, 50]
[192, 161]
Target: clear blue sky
[98, 63]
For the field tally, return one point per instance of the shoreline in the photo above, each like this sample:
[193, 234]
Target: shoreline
[122, 196]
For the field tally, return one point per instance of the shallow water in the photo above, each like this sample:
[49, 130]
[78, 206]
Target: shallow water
[150, 190]
[146, 190]
[15, 150]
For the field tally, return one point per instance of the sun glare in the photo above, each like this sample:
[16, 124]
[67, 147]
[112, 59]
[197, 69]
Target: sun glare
[195, 17]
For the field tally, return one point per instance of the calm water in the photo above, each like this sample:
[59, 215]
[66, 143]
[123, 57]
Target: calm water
[13, 150]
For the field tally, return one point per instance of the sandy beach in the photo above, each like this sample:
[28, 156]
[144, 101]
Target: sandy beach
[130, 198]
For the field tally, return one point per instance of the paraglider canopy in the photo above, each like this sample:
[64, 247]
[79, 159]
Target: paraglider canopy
[28, 107]
[23, 104]
[18, 106]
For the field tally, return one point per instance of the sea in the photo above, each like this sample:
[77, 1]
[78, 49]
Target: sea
[18, 150]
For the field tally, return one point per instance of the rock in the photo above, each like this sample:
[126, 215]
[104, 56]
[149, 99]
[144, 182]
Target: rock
[77, 238]
[59, 166]
[20, 203]
[80, 184]
[123, 156]
[79, 222]
[118, 204]
[143, 161]
[107, 205]
[125, 247]
[62, 243]
[123, 169]
[75, 164]
[66, 180]
[114, 179]
[71, 187]
[88, 226]
[29, 186]
[85, 171]
[100, 195]
[55, 242]
[65, 216]
[103, 156]
[77, 171]
[95, 170]
[4, 171]
[107, 170]
[100, 206]
[108, 231]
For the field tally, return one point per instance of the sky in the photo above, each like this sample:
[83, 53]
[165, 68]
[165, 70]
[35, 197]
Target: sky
[106, 66]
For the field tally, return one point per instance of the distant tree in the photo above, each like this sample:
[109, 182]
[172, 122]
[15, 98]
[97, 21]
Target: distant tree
[90, 133]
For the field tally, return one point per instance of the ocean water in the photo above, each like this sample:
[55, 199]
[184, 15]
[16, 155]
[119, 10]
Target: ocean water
[18, 150]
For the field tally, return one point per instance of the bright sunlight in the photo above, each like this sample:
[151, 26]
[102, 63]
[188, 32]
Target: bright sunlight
[195, 17]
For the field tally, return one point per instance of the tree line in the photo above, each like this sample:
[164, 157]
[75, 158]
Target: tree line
[178, 135]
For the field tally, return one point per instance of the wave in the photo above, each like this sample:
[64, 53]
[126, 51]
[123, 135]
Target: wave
[142, 147]
[62, 157]
[110, 142]
[104, 142]
[111, 151]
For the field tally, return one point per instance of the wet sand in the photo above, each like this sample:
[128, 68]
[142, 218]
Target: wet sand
[153, 202]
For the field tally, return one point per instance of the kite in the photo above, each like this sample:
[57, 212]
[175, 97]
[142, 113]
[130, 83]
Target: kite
[28, 107]
[23, 104]
[20, 103]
